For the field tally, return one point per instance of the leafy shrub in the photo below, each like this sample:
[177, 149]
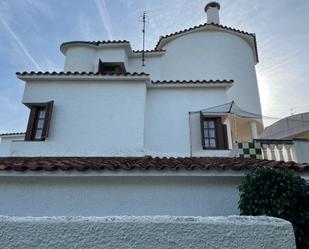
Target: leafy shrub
[277, 193]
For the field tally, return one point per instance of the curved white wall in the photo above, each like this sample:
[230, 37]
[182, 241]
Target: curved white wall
[194, 56]
[214, 55]
[79, 58]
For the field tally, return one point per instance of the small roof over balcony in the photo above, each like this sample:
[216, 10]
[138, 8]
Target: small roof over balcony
[240, 120]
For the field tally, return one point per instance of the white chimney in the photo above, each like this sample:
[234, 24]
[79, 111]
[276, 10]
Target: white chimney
[212, 11]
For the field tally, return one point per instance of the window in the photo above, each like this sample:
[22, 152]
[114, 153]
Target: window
[210, 133]
[39, 120]
[213, 133]
[111, 67]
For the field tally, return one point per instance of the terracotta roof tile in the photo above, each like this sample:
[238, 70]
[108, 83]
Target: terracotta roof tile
[12, 133]
[109, 41]
[32, 73]
[140, 163]
[149, 51]
[192, 82]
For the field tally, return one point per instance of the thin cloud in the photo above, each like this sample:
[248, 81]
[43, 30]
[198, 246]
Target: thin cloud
[105, 18]
[20, 44]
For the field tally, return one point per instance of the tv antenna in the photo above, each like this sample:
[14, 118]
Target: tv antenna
[143, 30]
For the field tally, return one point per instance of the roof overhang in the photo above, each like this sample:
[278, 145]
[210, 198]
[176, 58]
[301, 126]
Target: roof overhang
[95, 44]
[83, 76]
[110, 44]
[12, 135]
[192, 84]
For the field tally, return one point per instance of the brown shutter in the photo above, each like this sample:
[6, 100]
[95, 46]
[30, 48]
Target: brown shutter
[101, 67]
[48, 114]
[202, 130]
[221, 135]
[30, 126]
[226, 144]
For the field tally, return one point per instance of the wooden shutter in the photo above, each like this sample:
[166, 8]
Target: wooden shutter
[48, 114]
[31, 121]
[222, 143]
[226, 144]
[101, 67]
[202, 130]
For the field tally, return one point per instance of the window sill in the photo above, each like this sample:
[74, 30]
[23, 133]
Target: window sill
[214, 149]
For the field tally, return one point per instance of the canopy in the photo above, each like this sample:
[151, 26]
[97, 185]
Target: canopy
[230, 108]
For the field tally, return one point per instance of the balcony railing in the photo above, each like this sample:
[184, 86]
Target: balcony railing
[277, 149]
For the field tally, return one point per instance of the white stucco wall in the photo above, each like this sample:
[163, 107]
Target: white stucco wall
[5, 144]
[194, 56]
[93, 118]
[146, 232]
[89, 118]
[301, 149]
[214, 55]
[80, 59]
[167, 131]
[121, 194]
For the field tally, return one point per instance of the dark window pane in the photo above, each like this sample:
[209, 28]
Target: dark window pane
[212, 132]
[42, 113]
[40, 124]
[212, 142]
[38, 134]
[211, 124]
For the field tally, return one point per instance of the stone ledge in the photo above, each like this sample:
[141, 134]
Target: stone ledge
[145, 232]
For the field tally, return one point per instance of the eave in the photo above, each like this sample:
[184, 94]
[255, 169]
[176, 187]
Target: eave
[192, 83]
[82, 76]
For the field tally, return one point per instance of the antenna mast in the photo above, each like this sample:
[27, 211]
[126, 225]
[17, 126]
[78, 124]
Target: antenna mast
[143, 51]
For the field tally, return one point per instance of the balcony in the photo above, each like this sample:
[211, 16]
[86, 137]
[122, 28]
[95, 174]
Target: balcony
[296, 150]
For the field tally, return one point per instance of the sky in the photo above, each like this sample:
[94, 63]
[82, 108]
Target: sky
[31, 32]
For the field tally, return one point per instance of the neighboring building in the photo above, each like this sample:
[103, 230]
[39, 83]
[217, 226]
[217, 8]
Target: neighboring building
[97, 129]
[295, 126]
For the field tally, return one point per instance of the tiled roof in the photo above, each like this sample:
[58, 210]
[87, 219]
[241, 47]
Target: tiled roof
[110, 41]
[79, 74]
[205, 25]
[97, 43]
[158, 82]
[12, 133]
[140, 163]
[149, 51]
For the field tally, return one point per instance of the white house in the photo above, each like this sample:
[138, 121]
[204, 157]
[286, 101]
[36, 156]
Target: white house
[105, 103]
[99, 132]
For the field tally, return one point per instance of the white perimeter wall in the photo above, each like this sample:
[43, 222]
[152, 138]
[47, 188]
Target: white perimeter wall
[146, 232]
[118, 195]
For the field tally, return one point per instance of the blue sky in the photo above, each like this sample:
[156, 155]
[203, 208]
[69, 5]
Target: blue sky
[32, 30]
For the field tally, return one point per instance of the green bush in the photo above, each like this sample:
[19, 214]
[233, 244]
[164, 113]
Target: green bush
[277, 193]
